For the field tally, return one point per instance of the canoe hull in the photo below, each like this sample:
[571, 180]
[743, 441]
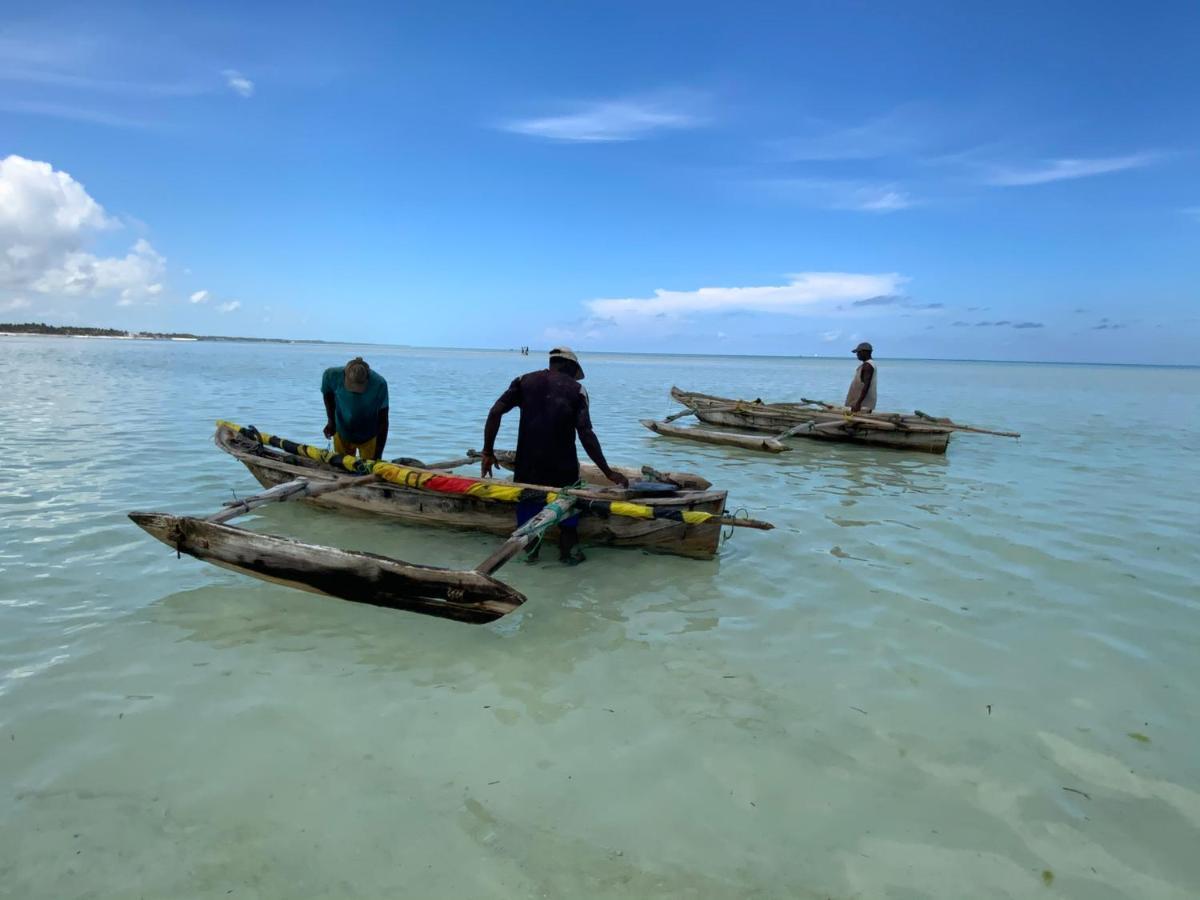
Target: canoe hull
[776, 418]
[471, 513]
[465, 596]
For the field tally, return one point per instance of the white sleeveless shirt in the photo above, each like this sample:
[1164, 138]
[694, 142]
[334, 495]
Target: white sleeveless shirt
[852, 395]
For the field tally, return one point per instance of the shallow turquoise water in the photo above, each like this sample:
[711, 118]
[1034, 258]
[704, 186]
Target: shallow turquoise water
[887, 696]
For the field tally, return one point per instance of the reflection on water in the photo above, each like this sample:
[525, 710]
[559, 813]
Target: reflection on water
[970, 675]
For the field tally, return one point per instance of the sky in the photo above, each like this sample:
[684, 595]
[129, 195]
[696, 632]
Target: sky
[946, 180]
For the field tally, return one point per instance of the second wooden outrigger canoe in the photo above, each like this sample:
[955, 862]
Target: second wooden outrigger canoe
[811, 421]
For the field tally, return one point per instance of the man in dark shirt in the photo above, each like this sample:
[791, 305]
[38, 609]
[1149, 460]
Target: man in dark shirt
[554, 408]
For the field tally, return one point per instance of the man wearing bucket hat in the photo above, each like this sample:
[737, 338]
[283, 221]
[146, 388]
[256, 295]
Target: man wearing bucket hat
[861, 396]
[356, 409]
[554, 408]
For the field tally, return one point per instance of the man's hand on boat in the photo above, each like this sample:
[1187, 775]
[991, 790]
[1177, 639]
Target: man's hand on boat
[487, 459]
[617, 478]
[329, 430]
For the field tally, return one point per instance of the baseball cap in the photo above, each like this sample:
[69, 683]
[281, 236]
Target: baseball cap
[356, 375]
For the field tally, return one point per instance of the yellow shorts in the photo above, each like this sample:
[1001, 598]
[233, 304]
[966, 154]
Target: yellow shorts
[366, 449]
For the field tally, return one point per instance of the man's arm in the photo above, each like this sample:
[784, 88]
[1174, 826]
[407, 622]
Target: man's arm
[509, 399]
[868, 373]
[330, 427]
[591, 444]
[381, 433]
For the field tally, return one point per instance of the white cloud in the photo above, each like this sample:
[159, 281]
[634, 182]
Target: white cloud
[898, 133]
[805, 293]
[46, 220]
[229, 307]
[854, 196]
[829, 337]
[1063, 169]
[14, 304]
[132, 277]
[626, 119]
[238, 83]
[198, 297]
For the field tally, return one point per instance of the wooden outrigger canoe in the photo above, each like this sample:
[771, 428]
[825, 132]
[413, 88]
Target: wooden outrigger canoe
[686, 521]
[809, 419]
[494, 511]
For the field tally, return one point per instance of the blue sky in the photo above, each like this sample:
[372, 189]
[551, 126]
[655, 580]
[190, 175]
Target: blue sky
[1012, 181]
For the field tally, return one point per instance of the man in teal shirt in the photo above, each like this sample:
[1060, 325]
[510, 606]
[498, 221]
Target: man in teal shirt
[356, 409]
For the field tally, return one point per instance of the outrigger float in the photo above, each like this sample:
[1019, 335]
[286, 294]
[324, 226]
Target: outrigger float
[807, 419]
[673, 513]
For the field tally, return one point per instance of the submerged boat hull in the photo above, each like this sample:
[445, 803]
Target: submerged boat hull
[701, 541]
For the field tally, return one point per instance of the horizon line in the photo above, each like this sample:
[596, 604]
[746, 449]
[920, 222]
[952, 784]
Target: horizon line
[322, 341]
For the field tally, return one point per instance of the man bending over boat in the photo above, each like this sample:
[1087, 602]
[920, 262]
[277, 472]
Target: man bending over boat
[356, 409]
[861, 396]
[554, 408]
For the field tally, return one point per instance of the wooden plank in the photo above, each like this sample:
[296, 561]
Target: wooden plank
[724, 438]
[466, 596]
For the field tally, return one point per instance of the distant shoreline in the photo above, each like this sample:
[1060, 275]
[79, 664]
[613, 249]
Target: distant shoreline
[38, 329]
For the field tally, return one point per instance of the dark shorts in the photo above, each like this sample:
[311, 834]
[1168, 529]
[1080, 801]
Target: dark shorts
[527, 509]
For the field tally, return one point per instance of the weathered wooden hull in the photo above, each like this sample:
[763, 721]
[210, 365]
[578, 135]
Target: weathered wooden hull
[470, 513]
[774, 419]
[466, 596]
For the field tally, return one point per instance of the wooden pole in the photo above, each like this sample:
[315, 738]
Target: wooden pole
[527, 534]
[949, 423]
[726, 438]
[679, 415]
[298, 489]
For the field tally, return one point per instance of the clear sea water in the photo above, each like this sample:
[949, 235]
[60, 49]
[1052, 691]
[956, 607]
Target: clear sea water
[969, 676]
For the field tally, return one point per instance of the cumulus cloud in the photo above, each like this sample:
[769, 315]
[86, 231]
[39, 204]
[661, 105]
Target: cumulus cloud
[229, 307]
[805, 293]
[627, 119]
[47, 219]
[14, 304]
[198, 297]
[238, 83]
[132, 277]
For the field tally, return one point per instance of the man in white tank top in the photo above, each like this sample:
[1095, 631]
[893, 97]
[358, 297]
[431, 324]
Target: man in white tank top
[861, 396]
